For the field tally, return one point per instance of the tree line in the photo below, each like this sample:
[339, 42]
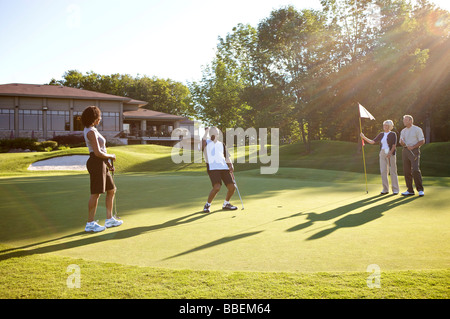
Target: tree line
[305, 71]
[162, 95]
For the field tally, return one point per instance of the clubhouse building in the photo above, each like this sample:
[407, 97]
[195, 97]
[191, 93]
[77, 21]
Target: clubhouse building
[45, 111]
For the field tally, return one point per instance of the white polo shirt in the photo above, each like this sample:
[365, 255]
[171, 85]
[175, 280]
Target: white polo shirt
[411, 136]
[215, 155]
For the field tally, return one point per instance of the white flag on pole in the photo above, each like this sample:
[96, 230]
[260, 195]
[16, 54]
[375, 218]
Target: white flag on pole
[364, 113]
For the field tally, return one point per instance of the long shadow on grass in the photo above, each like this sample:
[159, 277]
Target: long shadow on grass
[331, 214]
[50, 204]
[215, 243]
[366, 216]
[90, 238]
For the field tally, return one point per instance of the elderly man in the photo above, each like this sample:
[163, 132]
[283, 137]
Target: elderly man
[412, 138]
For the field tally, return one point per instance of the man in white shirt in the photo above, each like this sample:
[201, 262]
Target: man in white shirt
[219, 168]
[412, 138]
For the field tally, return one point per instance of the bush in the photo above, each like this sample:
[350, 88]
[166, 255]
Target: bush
[51, 144]
[70, 140]
[63, 148]
[21, 142]
[27, 143]
[46, 146]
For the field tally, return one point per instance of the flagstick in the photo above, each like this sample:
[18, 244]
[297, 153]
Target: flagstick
[364, 158]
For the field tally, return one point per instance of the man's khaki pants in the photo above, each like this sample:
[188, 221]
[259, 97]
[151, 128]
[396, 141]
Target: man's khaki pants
[389, 166]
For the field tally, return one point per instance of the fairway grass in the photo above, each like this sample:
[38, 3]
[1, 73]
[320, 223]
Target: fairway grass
[45, 277]
[287, 224]
[304, 233]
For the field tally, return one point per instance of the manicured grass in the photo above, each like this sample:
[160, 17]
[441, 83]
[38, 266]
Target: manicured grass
[43, 276]
[304, 233]
[287, 225]
[325, 155]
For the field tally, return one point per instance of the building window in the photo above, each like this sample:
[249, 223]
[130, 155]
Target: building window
[58, 120]
[30, 120]
[77, 125]
[6, 119]
[109, 122]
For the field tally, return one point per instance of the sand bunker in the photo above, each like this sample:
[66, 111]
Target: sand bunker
[62, 163]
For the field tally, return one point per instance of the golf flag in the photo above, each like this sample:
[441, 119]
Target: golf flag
[364, 113]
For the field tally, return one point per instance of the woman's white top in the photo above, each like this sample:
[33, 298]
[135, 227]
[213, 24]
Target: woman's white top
[384, 143]
[101, 140]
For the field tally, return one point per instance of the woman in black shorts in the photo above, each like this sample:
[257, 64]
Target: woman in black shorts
[98, 167]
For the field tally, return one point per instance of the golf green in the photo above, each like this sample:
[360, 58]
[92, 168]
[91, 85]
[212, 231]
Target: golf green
[311, 224]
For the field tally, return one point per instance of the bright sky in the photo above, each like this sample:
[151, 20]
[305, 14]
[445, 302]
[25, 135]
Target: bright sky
[42, 39]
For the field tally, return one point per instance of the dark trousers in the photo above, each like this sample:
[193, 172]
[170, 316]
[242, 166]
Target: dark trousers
[411, 160]
[101, 180]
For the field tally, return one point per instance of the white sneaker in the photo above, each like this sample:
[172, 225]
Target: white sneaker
[407, 193]
[421, 193]
[112, 222]
[94, 227]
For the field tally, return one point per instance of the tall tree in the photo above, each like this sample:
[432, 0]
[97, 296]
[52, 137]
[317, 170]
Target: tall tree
[264, 105]
[296, 48]
[217, 96]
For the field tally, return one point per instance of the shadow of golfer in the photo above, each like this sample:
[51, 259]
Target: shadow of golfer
[213, 243]
[331, 214]
[364, 217]
[41, 243]
[93, 238]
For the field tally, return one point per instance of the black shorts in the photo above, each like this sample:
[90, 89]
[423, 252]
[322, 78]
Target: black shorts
[101, 179]
[217, 176]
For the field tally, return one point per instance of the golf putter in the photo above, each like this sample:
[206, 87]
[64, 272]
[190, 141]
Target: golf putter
[112, 174]
[412, 153]
[237, 188]
[110, 161]
[415, 157]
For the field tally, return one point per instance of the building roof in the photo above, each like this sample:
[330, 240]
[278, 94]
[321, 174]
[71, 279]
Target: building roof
[149, 114]
[56, 91]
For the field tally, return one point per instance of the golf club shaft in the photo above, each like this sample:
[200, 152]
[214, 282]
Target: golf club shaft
[406, 146]
[112, 174]
[237, 188]
[415, 157]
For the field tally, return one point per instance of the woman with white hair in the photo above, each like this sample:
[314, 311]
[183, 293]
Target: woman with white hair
[388, 160]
